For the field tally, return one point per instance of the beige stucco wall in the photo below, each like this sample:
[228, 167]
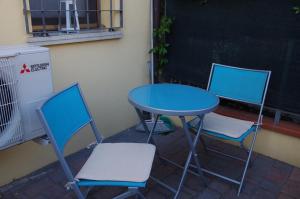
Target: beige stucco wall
[106, 70]
[276, 145]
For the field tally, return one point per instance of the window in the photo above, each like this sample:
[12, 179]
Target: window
[57, 17]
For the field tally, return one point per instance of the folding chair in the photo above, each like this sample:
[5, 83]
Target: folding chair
[110, 164]
[241, 85]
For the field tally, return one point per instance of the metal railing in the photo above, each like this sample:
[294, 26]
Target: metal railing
[46, 21]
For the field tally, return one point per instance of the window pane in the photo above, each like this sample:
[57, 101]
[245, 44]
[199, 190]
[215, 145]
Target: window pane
[50, 10]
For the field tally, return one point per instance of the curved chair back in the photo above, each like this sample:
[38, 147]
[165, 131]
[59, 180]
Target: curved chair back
[239, 84]
[64, 114]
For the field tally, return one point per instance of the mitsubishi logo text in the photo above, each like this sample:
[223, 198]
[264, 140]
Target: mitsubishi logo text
[34, 68]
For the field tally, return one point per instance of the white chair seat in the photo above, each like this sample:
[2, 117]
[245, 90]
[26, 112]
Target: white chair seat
[227, 126]
[126, 162]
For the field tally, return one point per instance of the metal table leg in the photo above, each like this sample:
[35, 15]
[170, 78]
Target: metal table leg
[192, 153]
[150, 133]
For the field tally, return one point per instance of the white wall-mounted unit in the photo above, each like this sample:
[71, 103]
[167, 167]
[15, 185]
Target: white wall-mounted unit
[25, 82]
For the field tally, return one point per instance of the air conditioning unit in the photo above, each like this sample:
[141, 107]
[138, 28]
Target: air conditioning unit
[25, 82]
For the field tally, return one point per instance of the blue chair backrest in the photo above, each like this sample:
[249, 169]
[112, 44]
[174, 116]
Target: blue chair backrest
[64, 114]
[239, 84]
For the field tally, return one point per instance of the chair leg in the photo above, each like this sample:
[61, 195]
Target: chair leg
[247, 163]
[78, 192]
[140, 195]
[247, 151]
[87, 191]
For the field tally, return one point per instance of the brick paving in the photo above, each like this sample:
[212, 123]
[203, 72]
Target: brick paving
[267, 178]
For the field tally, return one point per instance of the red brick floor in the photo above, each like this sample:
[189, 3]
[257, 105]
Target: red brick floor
[267, 178]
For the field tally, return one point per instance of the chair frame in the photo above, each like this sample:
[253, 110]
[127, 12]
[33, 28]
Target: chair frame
[257, 127]
[72, 182]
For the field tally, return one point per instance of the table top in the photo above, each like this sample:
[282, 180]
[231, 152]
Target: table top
[173, 99]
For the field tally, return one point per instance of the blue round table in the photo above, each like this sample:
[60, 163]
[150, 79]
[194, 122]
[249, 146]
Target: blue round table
[174, 100]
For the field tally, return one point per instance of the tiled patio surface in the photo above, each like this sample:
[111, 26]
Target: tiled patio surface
[267, 178]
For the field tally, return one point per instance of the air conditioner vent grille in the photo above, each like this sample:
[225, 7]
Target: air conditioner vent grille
[10, 118]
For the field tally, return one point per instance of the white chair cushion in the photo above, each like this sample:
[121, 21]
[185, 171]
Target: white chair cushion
[127, 162]
[228, 126]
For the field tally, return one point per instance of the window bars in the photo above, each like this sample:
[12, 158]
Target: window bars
[55, 17]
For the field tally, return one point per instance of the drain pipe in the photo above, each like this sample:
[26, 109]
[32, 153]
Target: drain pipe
[160, 126]
[151, 44]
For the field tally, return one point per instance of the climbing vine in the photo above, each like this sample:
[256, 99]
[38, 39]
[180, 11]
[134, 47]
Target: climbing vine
[161, 46]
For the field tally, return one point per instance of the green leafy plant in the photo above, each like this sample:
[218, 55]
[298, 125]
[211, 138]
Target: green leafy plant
[296, 9]
[161, 46]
